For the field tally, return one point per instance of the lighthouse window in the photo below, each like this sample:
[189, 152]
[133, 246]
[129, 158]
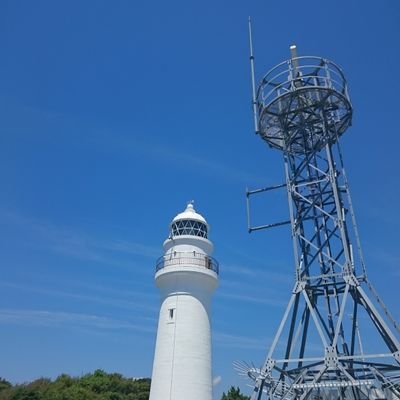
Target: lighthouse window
[189, 227]
[171, 313]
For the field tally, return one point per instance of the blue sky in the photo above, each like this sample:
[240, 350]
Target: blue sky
[113, 114]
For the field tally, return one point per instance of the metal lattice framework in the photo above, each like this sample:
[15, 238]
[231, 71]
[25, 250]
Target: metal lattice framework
[336, 339]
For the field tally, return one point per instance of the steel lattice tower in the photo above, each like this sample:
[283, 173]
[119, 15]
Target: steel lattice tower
[336, 339]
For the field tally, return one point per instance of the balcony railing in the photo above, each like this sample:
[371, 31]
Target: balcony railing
[192, 258]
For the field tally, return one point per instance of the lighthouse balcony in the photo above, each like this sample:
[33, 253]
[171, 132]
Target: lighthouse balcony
[190, 259]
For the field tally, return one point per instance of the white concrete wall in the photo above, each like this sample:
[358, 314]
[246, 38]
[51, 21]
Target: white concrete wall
[182, 361]
[188, 243]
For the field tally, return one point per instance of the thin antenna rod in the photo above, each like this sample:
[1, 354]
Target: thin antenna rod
[294, 57]
[253, 82]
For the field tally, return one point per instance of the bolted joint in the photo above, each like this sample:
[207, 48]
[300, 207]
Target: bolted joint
[332, 176]
[266, 370]
[331, 357]
[299, 286]
[396, 356]
[349, 277]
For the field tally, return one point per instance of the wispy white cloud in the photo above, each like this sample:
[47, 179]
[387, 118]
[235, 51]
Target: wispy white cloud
[379, 214]
[388, 259]
[74, 320]
[112, 288]
[136, 301]
[167, 154]
[128, 247]
[270, 301]
[262, 344]
[237, 341]
[226, 172]
[217, 380]
[112, 139]
[243, 270]
[78, 244]
[239, 284]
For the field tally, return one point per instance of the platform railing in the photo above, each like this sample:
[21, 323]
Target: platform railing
[302, 104]
[301, 72]
[192, 258]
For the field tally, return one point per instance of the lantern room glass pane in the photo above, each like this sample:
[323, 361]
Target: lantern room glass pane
[189, 227]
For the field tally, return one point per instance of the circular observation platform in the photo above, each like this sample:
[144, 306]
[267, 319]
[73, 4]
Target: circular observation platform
[303, 104]
[189, 259]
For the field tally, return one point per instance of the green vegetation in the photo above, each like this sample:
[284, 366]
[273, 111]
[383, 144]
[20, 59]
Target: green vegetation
[96, 386]
[234, 394]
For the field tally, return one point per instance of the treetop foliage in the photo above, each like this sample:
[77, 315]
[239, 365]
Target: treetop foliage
[234, 394]
[96, 386]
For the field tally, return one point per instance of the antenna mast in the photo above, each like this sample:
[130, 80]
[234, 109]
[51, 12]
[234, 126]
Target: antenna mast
[253, 81]
[301, 108]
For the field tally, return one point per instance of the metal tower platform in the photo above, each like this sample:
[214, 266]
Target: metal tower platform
[336, 339]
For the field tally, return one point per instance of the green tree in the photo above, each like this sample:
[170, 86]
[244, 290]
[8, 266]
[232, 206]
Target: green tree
[22, 393]
[4, 384]
[98, 385]
[234, 394]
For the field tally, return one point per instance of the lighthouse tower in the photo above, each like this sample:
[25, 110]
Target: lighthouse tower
[187, 276]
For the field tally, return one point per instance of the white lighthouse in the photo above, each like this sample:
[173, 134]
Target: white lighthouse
[187, 276]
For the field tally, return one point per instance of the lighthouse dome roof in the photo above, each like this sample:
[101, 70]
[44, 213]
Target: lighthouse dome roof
[190, 213]
[189, 222]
